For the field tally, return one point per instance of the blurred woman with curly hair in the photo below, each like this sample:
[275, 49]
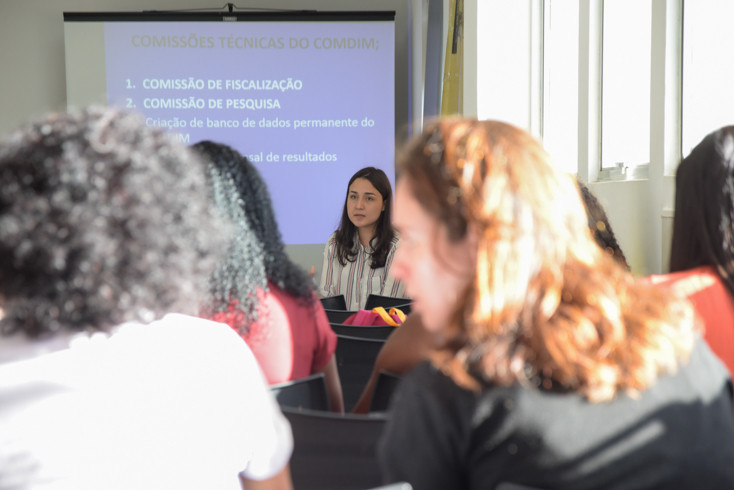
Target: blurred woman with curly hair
[257, 289]
[107, 235]
[556, 368]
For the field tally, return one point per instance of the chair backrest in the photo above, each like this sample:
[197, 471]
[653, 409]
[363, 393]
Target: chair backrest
[309, 392]
[379, 332]
[355, 358]
[385, 386]
[394, 486]
[338, 316]
[515, 486]
[338, 302]
[333, 451]
[374, 300]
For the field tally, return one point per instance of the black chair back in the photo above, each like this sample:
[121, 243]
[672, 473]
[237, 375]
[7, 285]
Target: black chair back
[385, 386]
[387, 302]
[338, 302]
[395, 486]
[338, 316]
[355, 358]
[333, 451]
[379, 332]
[309, 392]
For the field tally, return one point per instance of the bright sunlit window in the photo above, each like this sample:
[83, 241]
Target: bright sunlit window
[626, 51]
[708, 69]
[561, 82]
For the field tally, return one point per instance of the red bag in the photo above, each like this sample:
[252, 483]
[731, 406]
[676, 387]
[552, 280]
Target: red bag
[377, 316]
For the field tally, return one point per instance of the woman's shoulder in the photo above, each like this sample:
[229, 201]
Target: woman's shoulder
[428, 391]
[331, 242]
[671, 278]
[426, 381]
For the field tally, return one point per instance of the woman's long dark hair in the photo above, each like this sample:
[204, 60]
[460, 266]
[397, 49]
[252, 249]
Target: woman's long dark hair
[346, 234]
[257, 256]
[704, 208]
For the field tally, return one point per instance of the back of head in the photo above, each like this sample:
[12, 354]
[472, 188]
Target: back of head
[703, 225]
[102, 221]
[546, 306]
[258, 253]
[498, 179]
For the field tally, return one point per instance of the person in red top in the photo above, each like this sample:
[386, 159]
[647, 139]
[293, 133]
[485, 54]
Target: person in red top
[714, 305]
[702, 249]
[257, 289]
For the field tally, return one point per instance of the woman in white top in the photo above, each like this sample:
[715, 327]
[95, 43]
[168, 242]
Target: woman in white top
[358, 255]
[106, 225]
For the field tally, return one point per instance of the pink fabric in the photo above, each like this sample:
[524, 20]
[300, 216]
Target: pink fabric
[368, 318]
[713, 303]
[290, 340]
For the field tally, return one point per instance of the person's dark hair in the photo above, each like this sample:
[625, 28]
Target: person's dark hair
[257, 254]
[346, 234]
[599, 225]
[703, 224]
[102, 221]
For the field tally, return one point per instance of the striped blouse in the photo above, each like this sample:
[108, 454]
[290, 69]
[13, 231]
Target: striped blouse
[357, 279]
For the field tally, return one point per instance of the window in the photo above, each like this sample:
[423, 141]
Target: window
[561, 82]
[626, 50]
[708, 69]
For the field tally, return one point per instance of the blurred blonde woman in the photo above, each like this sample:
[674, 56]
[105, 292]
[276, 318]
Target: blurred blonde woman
[556, 368]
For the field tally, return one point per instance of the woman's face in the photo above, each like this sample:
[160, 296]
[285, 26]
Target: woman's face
[364, 204]
[434, 270]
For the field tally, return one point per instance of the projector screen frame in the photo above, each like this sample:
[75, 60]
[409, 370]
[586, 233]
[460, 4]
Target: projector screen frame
[306, 255]
[404, 117]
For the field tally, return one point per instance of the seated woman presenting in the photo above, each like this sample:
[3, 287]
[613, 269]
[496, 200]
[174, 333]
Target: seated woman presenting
[358, 255]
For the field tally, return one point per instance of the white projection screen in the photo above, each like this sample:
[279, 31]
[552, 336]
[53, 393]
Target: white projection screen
[309, 97]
